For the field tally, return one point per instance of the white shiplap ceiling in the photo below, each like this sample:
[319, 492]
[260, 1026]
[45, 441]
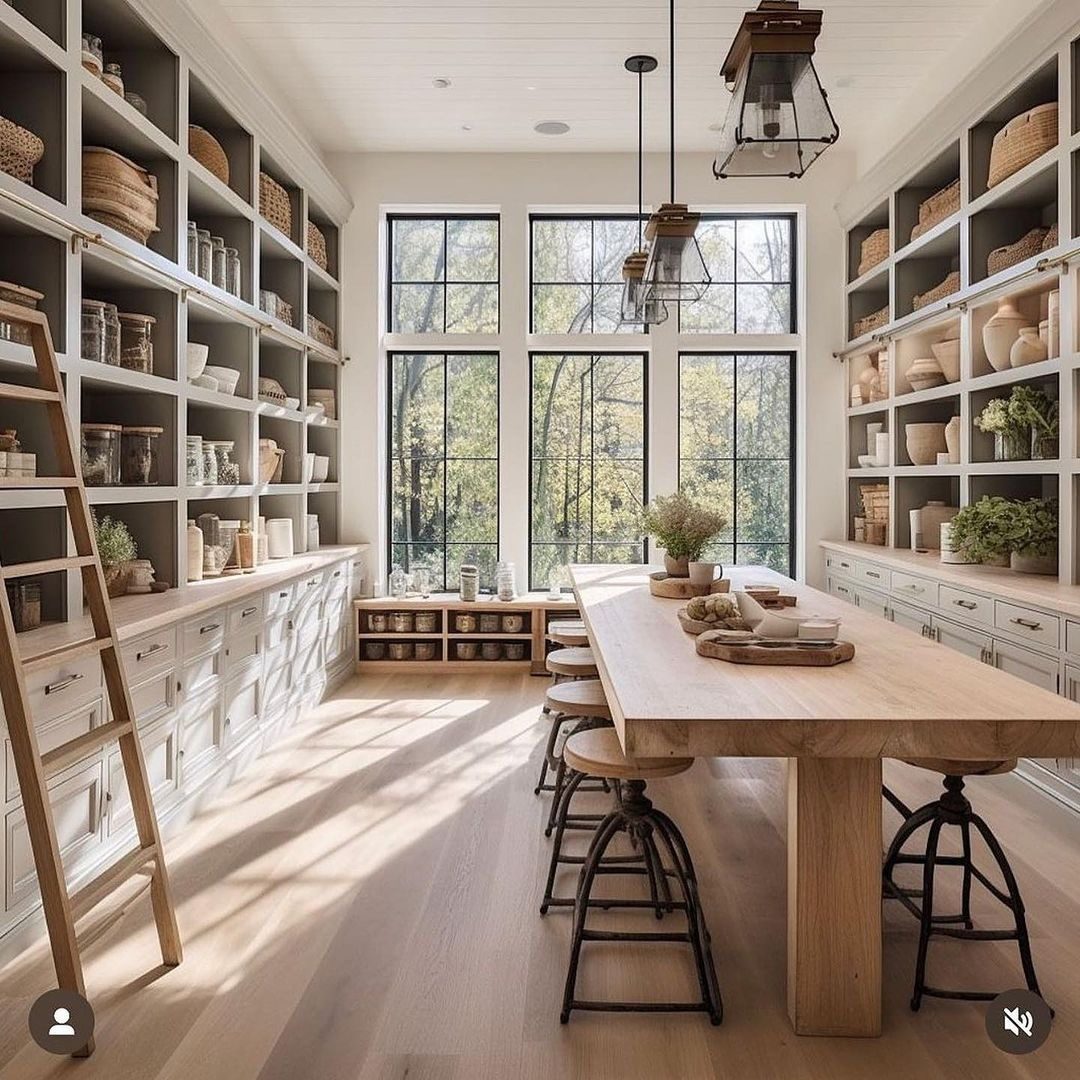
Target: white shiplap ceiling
[357, 74]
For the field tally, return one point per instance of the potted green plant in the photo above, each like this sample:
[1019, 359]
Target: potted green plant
[116, 548]
[1012, 441]
[1033, 410]
[1035, 537]
[684, 528]
[982, 531]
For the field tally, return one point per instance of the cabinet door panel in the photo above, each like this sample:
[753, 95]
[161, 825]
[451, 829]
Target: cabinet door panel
[243, 700]
[962, 639]
[842, 590]
[159, 746]
[912, 617]
[52, 735]
[1027, 665]
[870, 600]
[202, 736]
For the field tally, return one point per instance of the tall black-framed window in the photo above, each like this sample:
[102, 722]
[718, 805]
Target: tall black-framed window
[737, 451]
[443, 482]
[751, 258]
[588, 461]
[443, 274]
[575, 272]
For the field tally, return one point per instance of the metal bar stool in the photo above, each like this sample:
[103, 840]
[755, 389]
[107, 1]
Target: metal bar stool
[564, 664]
[598, 753]
[953, 808]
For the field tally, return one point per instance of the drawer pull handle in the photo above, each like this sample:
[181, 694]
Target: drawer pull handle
[1027, 624]
[63, 684]
[152, 651]
[248, 611]
[337, 573]
[210, 628]
[873, 574]
[283, 596]
[914, 588]
[967, 605]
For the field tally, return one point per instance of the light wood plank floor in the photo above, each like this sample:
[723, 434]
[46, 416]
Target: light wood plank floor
[363, 904]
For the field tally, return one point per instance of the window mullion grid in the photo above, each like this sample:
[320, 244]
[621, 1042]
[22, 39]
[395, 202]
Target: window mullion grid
[445, 458]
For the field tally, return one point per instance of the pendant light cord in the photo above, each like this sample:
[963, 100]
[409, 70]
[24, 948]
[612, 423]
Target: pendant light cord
[640, 155]
[671, 76]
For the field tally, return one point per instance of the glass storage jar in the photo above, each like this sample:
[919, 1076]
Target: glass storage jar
[401, 622]
[137, 102]
[92, 346]
[101, 454]
[206, 255]
[427, 622]
[209, 456]
[93, 54]
[137, 342]
[377, 622]
[505, 581]
[228, 471]
[113, 78]
[489, 624]
[195, 468]
[139, 457]
[218, 261]
[193, 247]
[400, 650]
[25, 600]
[112, 335]
[233, 277]
[374, 650]
[469, 582]
[424, 650]
[464, 623]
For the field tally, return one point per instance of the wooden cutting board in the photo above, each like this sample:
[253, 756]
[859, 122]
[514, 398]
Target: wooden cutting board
[712, 645]
[679, 588]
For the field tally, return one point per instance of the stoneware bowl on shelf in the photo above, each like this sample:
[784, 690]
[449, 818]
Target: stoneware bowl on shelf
[867, 461]
[197, 355]
[321, 469]
[947, 354]
[925, 373]
[925, 442]
[1001, 331]
[227, 378]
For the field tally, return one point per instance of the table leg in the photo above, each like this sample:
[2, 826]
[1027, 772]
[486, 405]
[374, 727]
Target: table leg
[834, 896]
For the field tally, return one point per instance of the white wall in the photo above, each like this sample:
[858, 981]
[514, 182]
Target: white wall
[515, 184]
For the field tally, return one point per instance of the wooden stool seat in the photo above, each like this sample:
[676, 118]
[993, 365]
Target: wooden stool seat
[585, 697]
[598, 753]
[954, 767]
[569, 638]
[566, 624]
[575, 663]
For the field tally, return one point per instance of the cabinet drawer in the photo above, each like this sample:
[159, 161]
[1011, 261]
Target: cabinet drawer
[877, 577]
[243, 701]
[911, 587]
[277, 678]
[202, 735]
[278, 633]
[843, 590]
[280, 600]
[1072, 637]
[244, 616]
[154, 698]
[308, 592]
[51, 735]
[204, 635]
[870, 600]
[337, 580]
[149, 654]
[58, 691]
[1035, 626]
[965, 605]
[243, 645]
[202, 673]
[159, 746]
[842, 565]
[1030, 666]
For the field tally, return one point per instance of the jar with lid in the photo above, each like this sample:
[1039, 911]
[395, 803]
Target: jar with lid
[139, 458]
[398, 582]
[213, 555]
[25, 600]
[245, 547]
[469, 582]
[193, 247]
[232, 271]
[218, 263]
[112, 335]
[92, 346]
[401, 622]
[209, 456]
[505, 581]
[137, 342]
[113, 78]
[137, 102]
[93, 54]
[206, 255]
[195, 467]
[101, 454]
[230, 535]
[228, 471]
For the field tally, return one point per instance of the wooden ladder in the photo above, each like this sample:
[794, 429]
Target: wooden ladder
[33, 768]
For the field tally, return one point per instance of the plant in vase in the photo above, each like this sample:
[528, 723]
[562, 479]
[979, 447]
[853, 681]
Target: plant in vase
[1035, 537]
[983, 531]
[1012, 441]
[116, 548]
[684, 528]
[1032, 409]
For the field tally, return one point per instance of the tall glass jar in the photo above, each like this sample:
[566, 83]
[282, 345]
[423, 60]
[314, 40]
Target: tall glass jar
[195, 468]
[139, 456]
[206, 255]
[469, 582]
[219, 261]
[92, 343]
[101, 454]
[137, 343]
[399, 582]
[112, 335]
[209, 453]
[505, 581]
[228, 471]
[193, 247]
[232, 271]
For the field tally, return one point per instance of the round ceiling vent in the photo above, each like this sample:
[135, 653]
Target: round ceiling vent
[551, 127]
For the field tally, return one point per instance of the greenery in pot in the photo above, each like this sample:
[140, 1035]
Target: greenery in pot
[1032, 409]
[1035, 528]
[682, 527]
[983, 530]
[114, 541]
[1012, 441]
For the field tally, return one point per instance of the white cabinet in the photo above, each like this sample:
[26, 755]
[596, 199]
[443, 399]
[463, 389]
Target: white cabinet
[1035, 626]
[243, 701]
[160, 746]
[912, 617]
[50, 735]
[843, 590]
[1030, 666]
[202, 738]
[872, 601]
[963, 639]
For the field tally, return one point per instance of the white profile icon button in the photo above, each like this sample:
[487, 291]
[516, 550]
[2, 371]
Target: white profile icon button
[61, 1026]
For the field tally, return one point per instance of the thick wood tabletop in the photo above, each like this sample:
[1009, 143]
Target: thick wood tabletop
[902, 696]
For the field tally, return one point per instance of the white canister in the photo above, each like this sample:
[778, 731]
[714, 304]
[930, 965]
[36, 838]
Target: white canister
[1053, 324]
[948, 555]
[881, 448]
[313, 532]
[279, 536]
[872, 432]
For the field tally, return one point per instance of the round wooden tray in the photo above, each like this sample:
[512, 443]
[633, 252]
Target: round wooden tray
[679, 588]
[714, 646]
[698, 626]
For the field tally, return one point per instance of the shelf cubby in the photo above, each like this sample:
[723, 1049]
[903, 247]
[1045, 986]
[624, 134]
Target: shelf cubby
[324, 505]
[37, 261]
[936, 256]
[866, 302]
[114, 403]
[297, 238]
[1031, 299]
[913, 493]
[323, 304]
[333, 242]
[30, 534]
[1033, 485]
[917, 345]
[878, 218]
[234, 230]
[283, 363]
[930, 179]
[935, 411]
[224, 425]
[31, 423]
[982, 444]
[284, 276]
[289, 436]
[33, 92]
[324, 441]
[153, 527]
[857, 442]
[293, 507]
[207, 112]
[1028, 205]
[231, 346]
[49, 16]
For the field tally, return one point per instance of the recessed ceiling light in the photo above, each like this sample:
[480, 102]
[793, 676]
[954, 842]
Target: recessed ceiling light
[466, 127]
[716, 127]
[530, 87]
[551, 127]
[441, 82]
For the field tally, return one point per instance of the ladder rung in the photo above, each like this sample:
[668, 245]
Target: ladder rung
[68, 753]
[46, 566]
[76, 650]
[14, 392]
[39, 483]
[91, 894]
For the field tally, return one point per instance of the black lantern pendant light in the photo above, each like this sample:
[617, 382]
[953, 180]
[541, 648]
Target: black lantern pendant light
[675, 271]
[636, 309]
[778, 122]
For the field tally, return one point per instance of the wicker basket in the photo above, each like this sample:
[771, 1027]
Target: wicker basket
[276, 307]
[275, 204]
[1022, 140]
[1052, 238]
[945, 288]
[937, 208]
[1031, 243]
[119, 193]
[322, 333]
[20, 150]
[874, 250]
[868, 323]
[316, 246]
[272, 391]
[327, 399]
[208, 152]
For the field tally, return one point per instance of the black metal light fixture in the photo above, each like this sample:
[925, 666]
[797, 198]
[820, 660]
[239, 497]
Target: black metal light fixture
[675, 271]
[778, 121]
[637, 309]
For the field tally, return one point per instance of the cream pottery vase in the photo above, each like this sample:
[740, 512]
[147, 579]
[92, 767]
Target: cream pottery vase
[947, 354]
[1000, 332]
[925, 373]
[881, 448]
[1029, 348]
[925, 442]
[952, 440]
[926, 525]
[677, 567]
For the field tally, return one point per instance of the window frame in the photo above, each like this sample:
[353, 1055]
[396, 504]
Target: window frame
[793, 369]
[792, 218]
[446, 354]
[645, 357]
[592, 218]
[391, 281]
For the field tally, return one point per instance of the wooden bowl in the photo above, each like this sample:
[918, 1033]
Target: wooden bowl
[676, 588]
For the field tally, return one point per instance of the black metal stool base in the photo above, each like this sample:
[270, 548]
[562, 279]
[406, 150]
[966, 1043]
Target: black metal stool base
[551, 758]
[953, 808]
[638, 818]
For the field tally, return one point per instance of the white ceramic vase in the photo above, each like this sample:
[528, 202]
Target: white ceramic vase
[881, 449]
[952, 440]
[1029, 348]
[947, 354]
[1000, 331]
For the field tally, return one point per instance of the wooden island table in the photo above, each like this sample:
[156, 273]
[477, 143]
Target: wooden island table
[903, 696]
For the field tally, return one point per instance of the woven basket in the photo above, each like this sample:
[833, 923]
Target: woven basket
[871, 322]
[937, 208]
[874, 250]
[119, 193]
[208, 152]
[275, 306]
[946, 288]
[322, 333]
[20, 150]
[1031, 243]
[316, 246]
[272, 391]
[327, 399]
[1022, 140]
[275, 204]
[1052, 239]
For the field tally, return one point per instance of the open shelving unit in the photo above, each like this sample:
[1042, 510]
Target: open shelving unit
[48, 244]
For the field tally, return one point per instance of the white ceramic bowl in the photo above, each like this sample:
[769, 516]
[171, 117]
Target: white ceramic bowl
[227, 378]
[206, 382]
[321, 469]
[197, 355]
[292, 403]
[309, 467]
[867, 461]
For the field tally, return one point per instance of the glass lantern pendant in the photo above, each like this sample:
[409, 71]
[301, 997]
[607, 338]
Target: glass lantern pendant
[779, 121]
[637, 308]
